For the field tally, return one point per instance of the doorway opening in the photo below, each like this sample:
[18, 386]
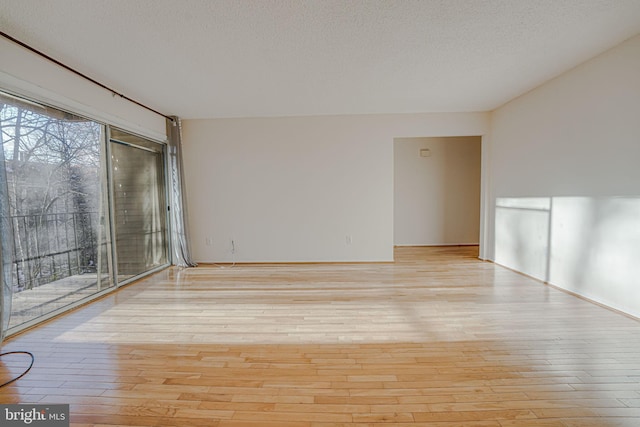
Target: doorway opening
[437, 191]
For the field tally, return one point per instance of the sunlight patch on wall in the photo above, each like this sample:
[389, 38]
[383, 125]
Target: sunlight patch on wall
[522, 234]
[587, 245]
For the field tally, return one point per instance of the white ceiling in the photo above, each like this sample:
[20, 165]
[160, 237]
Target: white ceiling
[249, 58]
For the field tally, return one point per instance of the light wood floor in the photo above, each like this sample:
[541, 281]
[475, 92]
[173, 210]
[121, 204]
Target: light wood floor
[436, 339]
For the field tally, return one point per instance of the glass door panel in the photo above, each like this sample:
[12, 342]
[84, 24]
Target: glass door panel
[53, 166]
[140, 208]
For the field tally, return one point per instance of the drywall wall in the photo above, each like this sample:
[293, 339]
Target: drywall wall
[437, 192]
[25, 73]
[301, 188]
[564, 180]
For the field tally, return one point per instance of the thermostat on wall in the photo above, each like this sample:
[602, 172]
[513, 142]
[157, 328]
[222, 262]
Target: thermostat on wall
[425, 152]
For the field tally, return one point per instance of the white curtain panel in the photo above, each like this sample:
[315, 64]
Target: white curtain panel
[6, 251]
[178, 214]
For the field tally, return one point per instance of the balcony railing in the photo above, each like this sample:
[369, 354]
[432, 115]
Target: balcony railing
[50, 247]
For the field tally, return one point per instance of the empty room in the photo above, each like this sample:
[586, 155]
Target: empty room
[310, 213]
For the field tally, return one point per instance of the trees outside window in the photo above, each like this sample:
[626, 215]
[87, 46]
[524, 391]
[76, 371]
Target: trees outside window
[53, 172]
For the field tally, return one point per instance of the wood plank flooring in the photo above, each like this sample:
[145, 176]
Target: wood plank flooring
[435, 339]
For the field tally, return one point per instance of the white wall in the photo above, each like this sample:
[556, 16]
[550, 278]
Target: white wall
[25, 73]
[295, 189]
[572, 149]
[437, 198]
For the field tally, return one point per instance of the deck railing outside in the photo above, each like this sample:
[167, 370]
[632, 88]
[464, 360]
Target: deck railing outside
[50, 247]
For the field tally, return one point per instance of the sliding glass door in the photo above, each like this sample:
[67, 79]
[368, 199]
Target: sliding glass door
[139, 203]
[83, 208]
[55, 199]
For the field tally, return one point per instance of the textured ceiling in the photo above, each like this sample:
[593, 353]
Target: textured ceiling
[248, 58]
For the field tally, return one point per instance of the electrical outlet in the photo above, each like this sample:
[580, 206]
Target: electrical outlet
[208, 241]
[348, 239]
